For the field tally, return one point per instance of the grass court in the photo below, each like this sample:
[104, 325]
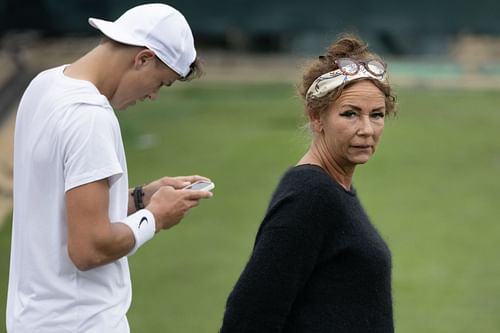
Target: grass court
[432, 190]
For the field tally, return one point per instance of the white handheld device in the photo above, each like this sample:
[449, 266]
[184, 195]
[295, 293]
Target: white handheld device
[201, 185]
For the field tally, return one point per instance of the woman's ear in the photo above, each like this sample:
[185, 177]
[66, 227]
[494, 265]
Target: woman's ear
[315, 122]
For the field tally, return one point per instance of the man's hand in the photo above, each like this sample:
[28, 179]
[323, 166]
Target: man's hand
[175, 182]
[151, 188]
[169, 205]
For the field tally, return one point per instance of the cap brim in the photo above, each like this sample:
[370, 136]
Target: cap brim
[113, 31]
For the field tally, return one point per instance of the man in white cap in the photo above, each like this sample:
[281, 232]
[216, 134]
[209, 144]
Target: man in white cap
[75, 220]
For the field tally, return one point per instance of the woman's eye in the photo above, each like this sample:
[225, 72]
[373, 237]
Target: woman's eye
[378, 115]
[348, 114]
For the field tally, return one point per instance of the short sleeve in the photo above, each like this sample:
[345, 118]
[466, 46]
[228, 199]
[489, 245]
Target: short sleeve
[90, 139]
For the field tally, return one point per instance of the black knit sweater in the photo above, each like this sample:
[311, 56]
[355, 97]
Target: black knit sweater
[318, 264]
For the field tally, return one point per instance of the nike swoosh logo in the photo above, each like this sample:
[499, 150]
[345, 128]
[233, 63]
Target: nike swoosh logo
[144, 218]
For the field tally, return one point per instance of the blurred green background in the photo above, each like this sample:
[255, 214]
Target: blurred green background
[431, 190]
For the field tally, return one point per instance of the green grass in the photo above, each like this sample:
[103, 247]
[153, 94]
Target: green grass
[432, 191]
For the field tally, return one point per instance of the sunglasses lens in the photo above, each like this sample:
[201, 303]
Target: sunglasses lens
[347, 66]
[376, 67]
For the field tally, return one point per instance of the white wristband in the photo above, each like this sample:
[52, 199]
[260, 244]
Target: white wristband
[143, 225]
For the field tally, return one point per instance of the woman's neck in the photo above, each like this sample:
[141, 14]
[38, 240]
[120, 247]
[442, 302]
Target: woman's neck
[318, 155]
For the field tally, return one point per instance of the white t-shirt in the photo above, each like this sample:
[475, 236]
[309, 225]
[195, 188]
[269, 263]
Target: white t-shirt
[66, 135]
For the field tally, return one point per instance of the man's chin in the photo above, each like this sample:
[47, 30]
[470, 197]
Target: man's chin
[123, 106]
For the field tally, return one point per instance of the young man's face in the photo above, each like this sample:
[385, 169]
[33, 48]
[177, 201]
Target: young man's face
[144, 80]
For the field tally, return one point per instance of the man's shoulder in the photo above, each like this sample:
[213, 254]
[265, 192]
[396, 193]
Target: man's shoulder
[63, 90]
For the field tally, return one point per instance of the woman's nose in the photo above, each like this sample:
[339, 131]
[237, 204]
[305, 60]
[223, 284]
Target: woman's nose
[365, 126]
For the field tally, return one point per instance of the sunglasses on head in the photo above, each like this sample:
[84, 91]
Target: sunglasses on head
[350, 66]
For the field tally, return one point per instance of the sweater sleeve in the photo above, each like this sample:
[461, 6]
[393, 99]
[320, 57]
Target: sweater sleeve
[285, 253]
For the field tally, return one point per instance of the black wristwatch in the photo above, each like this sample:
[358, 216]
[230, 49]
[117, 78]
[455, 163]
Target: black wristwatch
[137, 194]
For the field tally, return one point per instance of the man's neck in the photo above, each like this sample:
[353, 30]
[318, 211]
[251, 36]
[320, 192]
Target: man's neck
[102, 67]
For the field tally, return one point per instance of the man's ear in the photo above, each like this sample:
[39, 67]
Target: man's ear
[143, 58]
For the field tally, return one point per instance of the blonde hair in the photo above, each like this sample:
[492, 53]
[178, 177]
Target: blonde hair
[196, 70]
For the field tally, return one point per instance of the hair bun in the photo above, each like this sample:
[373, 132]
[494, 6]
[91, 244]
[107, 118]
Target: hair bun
[347, 46]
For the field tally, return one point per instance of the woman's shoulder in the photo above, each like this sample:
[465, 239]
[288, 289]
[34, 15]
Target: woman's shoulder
[304, 191]
[303, 184]
[307, 177]
[312, 183]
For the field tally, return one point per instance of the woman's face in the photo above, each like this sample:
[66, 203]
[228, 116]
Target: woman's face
[351, 128]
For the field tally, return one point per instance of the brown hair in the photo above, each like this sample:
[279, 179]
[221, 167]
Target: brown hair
[346, 46]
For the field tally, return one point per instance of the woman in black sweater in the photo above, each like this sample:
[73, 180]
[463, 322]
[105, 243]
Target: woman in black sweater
[318, 264]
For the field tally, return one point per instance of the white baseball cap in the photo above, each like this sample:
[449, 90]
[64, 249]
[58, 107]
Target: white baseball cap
[160, 28]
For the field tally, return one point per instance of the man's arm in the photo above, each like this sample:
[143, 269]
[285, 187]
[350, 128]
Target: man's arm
[94, 241]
